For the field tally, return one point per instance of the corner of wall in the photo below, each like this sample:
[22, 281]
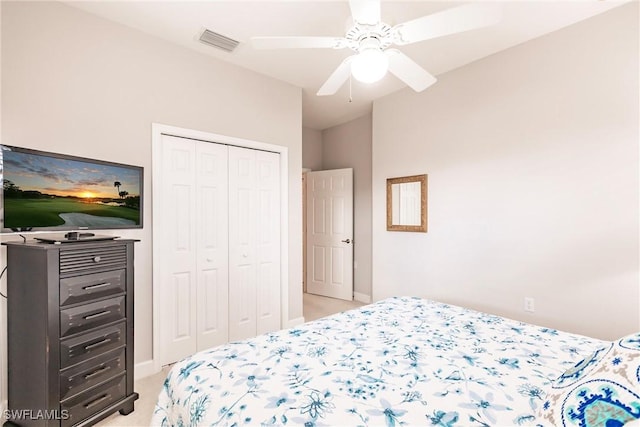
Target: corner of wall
[145, 369]
[295, 322]
[312, 149]
[364, 298]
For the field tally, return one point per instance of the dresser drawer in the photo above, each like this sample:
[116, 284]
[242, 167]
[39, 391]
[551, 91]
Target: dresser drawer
[86, 375]
[93, 400]
[91, 286]
[92, 259]
[85, 317]
[92, 344]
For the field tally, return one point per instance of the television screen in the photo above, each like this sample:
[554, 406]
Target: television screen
[48, 192]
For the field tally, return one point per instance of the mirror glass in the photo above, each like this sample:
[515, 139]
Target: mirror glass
[407, 203]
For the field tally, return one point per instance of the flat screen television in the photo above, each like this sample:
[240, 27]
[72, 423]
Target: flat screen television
[44, 191]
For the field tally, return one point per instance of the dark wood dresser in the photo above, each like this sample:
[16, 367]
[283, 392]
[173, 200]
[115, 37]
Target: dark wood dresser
[70, 331]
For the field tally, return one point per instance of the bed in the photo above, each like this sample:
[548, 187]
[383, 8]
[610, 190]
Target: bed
[401, 361]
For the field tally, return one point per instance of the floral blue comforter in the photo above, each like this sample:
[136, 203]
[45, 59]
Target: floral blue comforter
[400, 361]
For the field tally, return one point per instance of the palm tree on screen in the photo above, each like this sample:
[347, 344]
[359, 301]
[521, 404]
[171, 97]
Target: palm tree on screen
[117, 184]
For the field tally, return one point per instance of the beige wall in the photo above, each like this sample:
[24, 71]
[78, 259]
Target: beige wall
[349, 146]
[532, 156]
[75, 83]
[311, 149]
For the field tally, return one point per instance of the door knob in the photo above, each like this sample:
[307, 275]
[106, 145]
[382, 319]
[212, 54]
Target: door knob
[346, 241]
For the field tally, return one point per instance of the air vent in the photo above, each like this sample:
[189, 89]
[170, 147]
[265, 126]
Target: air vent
[218, 40]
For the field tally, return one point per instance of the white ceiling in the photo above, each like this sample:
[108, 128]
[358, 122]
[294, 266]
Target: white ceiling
[182, 22]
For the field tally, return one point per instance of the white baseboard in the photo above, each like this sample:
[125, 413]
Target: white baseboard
[362, 297]
[144, 369]
[295, 322]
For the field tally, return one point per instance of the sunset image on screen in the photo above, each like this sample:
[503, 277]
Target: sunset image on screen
[46, 191]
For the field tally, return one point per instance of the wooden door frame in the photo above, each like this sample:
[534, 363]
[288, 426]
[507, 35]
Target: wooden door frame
[157, 131]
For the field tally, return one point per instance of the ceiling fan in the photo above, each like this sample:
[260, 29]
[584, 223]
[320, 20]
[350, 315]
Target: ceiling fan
[371, 39]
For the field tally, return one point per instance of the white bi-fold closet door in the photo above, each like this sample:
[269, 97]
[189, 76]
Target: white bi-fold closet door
[220, 256]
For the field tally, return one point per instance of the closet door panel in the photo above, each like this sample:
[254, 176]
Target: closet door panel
[212, 244]
[242, 243]
[178, 278]
[219, 248]
[268, 241]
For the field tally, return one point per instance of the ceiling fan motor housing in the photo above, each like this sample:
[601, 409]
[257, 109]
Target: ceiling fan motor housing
[362, 36]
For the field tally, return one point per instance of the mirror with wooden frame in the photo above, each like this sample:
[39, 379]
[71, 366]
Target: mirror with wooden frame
[407, 203]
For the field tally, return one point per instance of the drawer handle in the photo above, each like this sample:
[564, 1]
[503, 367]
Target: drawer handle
[98, 401]
[94, 315]
[97, 344]
[97, 286]
[96, 259]
[97, 372]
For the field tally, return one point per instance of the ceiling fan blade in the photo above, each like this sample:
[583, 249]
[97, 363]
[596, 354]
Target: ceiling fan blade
[365, 11]
[455, 20]
[337, 78]
[405, 68]
[298, 42]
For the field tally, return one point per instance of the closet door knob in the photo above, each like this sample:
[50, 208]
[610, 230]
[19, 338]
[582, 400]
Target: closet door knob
[245, 255]
[346, 241]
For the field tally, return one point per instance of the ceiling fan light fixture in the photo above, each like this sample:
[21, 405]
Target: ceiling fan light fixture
[369, 66]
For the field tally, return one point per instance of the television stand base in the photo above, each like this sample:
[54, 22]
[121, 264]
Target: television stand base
[73, 238]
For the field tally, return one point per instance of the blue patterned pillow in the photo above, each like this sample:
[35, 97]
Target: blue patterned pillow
[601, 390]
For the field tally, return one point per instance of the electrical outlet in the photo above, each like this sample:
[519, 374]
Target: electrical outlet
[529, 304]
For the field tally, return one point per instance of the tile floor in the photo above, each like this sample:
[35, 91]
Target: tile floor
[314, 308]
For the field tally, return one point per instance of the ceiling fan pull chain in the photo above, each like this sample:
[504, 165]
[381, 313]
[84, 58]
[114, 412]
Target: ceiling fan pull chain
[350, 98]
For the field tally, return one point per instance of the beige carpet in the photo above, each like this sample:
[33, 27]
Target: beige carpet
[148, 388]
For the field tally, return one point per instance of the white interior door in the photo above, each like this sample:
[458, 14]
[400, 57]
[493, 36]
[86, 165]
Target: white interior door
[212, 245]
[254, 242]
[330, 233]
[242, 238]
[218, 221]
[268, 242]
[178, 278]
[194, 255]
